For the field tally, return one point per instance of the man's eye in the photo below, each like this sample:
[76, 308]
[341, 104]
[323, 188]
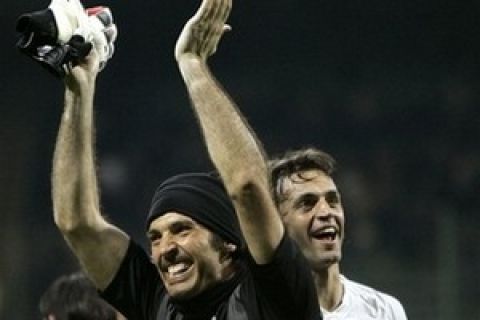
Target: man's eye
[183, 229]
[332, 198]
[308, 203]
[154, 237]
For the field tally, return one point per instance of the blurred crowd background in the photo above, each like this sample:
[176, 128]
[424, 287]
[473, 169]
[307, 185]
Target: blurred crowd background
[390, 88]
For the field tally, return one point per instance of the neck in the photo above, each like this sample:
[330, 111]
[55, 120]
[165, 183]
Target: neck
[207, 303]
[329, 287]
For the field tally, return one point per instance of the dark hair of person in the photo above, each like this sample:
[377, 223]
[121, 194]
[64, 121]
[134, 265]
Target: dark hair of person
[294, 162]
[74, 297]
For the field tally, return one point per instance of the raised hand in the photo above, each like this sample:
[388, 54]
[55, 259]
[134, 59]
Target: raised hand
[101, 32]
[201, 34]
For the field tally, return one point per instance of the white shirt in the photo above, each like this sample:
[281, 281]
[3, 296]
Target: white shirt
[364, 303]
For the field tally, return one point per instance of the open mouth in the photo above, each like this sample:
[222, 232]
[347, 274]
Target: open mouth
[177, 271]
[325, 234]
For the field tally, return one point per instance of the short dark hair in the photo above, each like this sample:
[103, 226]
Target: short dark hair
[74, 297]
[296, 161]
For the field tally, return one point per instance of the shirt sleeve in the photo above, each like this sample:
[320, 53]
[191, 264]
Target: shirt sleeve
[396, 309]
[284, 287]
[136, 290]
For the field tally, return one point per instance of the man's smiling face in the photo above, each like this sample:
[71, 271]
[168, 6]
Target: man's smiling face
[183, 253]
[313, 216]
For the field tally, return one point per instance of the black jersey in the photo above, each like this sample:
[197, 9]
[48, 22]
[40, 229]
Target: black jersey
[281, 290]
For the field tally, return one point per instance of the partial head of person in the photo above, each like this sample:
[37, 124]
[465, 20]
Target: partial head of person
[194, 234]
[74, 297]
[310, 204]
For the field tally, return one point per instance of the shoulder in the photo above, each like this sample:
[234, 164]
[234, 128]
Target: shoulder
[135, 274]
[136, 288]
[281, 289]
[374, 300]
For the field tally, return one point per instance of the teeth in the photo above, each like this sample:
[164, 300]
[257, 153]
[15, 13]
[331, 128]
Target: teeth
[177, 268]
[328, 230]
[329, 233]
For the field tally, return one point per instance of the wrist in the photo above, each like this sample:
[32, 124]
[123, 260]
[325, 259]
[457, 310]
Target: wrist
[189, 59]
[79, 84]
[79, 90]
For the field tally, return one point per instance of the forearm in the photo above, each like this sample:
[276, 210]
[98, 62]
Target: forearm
[74, 185]
[233, 147]
[238, 156]
[99, 245]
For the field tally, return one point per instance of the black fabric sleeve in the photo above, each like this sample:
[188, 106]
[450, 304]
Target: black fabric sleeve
[284, 287]
[136, 290]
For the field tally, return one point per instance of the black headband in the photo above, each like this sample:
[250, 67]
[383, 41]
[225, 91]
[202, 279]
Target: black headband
[203, 198]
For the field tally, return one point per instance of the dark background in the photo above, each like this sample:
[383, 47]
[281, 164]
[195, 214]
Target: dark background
[389, 87]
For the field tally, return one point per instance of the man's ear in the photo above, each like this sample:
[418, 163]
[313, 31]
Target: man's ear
[230, 247]
[227, 251]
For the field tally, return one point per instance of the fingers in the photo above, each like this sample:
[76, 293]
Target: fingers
[103, 32]
[111, 33]
[210, 23]
[103, 14]
[215, 16]
[202, 33]
[226, 9]
[212, 14]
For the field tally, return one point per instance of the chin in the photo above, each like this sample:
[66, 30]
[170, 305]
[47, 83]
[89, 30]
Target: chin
[181, 294]
[181, 291]
[325, 261]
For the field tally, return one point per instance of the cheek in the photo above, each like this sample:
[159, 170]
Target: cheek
[341, 219]
[154, 256]
[341, 222]
[296, 226]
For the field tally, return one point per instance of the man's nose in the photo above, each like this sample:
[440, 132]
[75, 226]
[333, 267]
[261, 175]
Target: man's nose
[323, 209]
[169, 250]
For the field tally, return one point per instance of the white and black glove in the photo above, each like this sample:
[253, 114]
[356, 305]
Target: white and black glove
[59, 36]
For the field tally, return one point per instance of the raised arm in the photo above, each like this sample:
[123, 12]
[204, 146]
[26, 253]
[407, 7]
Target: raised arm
[98, 245]
[233, 147]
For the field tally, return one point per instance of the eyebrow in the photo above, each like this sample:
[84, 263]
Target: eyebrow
[334, 192]
[307, 194]
[181, 223]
